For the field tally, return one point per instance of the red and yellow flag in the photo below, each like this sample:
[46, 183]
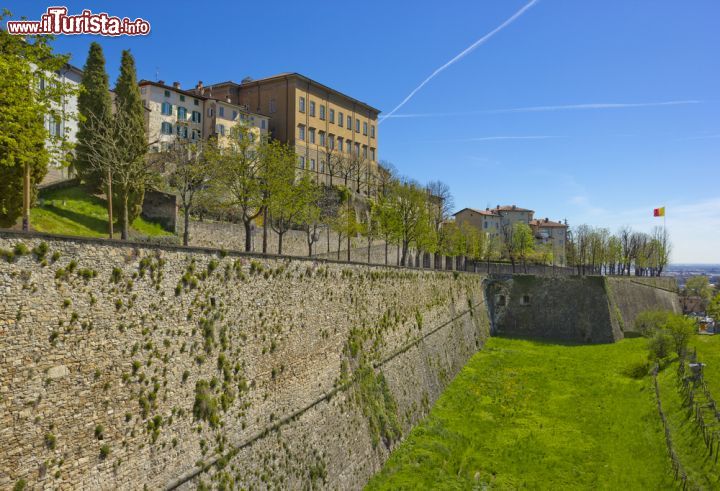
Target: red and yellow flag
[659, 212]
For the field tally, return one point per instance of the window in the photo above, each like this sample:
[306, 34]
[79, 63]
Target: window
[301, 106]
[235, 115]
[312, 135]
[166, 128]
[322, 138]
[271, 106]
[349, 122]
[196, 116]
[166, 109]
[485, 224]
[332, 115]
[331, 141]
[525, 300]
[182, 113]
[340, 119]
[210, 112]
[364, 151]
[302, 162]
[194, 134]
[196, 102]
[372, 131]
[357, 149]
[184, 131]
[220, 129]
[357, 125]
[372, 154]
[312, 164]
[312, 108]
[322, 112]
[348, 145]
[340, 144]
[221, 111]
[500, 300]
[322, 166]
[167, 93]
[301, 132]
[263, 124]
[365, 128]
[182, 98]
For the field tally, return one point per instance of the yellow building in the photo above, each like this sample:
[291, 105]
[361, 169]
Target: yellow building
[221, 117]
[334, 135]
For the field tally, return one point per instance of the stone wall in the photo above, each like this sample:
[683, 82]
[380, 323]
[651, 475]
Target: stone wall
[629, 296]
[123, 365]
[582, 309]
[161, 207]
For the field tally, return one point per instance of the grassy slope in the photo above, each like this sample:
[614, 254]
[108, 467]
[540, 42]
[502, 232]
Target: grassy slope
[72, 211]
[533, 415]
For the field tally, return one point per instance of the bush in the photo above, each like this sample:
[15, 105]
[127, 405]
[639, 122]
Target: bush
[104, 451]
[680, 329]
[646, 323]
[660, 346]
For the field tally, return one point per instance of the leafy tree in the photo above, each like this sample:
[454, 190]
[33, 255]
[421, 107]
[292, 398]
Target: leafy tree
[94, 100]
[411, 217]
[288, 200]
[698, 286]
[26, 64]
[521, 243]
[189, 172]
[660, 345]
[241, 184]
[680, 329]
[346, 223]
[649, 321]
[713, 308]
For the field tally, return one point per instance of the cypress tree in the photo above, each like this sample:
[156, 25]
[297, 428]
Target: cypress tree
[94, 101]
[130, 113]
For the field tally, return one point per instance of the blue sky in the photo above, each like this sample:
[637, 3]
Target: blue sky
[522, 119]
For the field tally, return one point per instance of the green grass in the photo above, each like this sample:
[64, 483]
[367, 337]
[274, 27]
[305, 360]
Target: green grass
[708, 352]
[73, 211]
[525, 414]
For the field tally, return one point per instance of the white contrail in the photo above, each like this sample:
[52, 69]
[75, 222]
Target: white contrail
[567, 107]
[461, 56]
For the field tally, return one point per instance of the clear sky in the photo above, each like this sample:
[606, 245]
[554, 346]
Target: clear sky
[596, 111]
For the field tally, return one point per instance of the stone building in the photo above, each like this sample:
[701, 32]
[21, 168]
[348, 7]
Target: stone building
[552, 234]
[334, 135]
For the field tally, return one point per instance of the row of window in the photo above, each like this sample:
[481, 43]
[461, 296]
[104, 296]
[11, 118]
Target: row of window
[182, 97]
[181, 131]
[329, 142]
[340, 119]
[182, 113]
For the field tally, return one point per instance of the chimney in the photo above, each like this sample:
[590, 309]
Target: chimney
[199, 85]
[161, 82]
[546, 219]
[227, 99]
[176, 85]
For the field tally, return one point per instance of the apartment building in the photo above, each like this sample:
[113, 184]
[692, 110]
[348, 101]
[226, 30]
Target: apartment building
[553, 233]
[63, 125]
[222, 116]
[171, 113]
[499, 222]
[330, 131]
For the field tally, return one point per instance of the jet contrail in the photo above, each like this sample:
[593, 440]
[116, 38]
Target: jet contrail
[566, 107]
[461, 56]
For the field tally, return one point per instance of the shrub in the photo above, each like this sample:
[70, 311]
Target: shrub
[651, 320]
[104, 451]
[55, 256]
[660, 346]
[205, 407]
[20, 249]
[50, 441]
[40, 250]
[680, 329]
[116, 275]
[20, 485]
[99, 432]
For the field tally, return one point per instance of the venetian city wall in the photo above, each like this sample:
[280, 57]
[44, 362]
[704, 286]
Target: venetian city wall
[123, 365]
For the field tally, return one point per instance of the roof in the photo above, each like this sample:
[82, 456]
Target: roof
[170, 87]
[511, 208]
[547, 223]
[486, 212]
[302, 77]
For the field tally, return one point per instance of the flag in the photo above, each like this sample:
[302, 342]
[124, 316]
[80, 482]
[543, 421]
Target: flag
[659, 212]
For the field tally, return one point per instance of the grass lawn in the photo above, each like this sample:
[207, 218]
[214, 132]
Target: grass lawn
[524, 414]
[72, 211]
[708, 351]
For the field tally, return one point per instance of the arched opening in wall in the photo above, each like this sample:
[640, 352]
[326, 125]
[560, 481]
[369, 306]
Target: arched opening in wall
[525, 300]
[500, 300]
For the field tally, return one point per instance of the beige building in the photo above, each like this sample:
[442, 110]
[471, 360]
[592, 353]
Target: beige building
[499, 222]
[334, 135]
[222, 116]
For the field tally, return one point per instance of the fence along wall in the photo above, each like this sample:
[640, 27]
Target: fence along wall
[123, 366]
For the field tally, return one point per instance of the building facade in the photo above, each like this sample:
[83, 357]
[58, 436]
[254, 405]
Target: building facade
[335, 136]
[173, 113]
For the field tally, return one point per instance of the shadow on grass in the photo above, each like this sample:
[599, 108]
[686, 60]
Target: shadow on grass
[95, 224]
[544, 342]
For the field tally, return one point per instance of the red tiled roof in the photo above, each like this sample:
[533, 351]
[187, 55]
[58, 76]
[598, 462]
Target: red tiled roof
[546, 223]
[487, 212]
